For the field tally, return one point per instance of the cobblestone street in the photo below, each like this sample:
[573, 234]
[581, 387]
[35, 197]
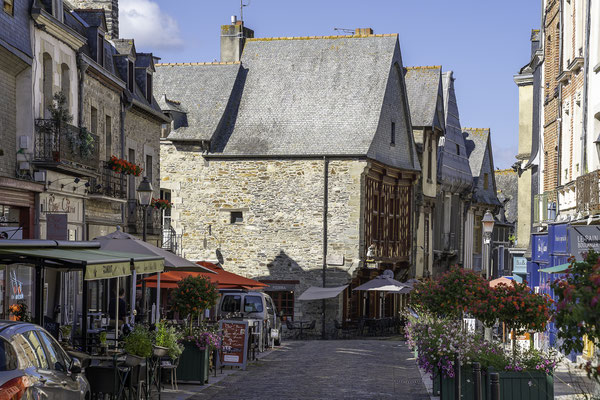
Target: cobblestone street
[349, 369]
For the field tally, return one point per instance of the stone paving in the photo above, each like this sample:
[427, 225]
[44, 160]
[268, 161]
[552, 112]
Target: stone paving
[332, 369]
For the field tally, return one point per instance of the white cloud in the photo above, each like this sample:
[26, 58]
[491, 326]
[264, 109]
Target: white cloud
[148, 25]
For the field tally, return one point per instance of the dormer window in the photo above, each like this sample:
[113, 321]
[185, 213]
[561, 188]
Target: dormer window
[100, 51]
[57, 9]
[8, 7]
[130, 77]
[149, 87]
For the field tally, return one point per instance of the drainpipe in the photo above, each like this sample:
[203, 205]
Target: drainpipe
[559, 107]
[325, 210]
[586, 66]
[125, 105]
[82, 65]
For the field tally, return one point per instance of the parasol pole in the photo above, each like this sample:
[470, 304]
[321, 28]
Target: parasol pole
[158, 297]
[117, 315]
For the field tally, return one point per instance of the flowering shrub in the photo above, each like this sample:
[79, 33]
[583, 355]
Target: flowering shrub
[193, 295]
[577, 308]
[521, 309]
[205, 340]
[124, 167]
[160, 204]
[20, 311]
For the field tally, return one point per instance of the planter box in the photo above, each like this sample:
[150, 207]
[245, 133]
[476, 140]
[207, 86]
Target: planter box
[193, 365]
[513, 386]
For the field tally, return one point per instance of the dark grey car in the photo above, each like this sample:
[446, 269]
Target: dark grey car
[34, 366]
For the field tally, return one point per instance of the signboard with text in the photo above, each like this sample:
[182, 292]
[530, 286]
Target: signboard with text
[235, 343]
[558, 238]
[583, 238]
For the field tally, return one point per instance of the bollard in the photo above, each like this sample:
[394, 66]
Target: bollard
[477, 380]
[457, 379]
[495, 381]
[441, 383]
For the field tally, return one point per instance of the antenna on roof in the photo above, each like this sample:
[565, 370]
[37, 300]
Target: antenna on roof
[345, 30]
[242, 5]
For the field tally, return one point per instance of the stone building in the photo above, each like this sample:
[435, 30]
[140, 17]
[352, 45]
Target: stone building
[292, 163]
[426, 100]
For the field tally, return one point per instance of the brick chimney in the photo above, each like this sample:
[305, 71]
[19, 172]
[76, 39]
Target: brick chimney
[363, 31]
[233, 38]
[111, 12]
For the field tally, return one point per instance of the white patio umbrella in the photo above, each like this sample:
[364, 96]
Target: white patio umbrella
[383, 283]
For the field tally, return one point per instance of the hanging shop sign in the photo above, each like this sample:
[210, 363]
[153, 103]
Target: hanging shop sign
[583, 238]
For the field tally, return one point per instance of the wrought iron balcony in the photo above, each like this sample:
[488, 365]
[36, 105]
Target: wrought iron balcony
[65, 147]
[588, 192]
[109, 183]
[171, 241]
[135, 219]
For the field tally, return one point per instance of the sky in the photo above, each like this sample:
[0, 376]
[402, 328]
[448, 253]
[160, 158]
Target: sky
[484, 42]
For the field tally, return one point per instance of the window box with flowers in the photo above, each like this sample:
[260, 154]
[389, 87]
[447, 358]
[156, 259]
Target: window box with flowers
[124, 167]
[160, 204]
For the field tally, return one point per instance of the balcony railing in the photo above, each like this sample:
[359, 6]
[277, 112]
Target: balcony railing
[588, 192]
[109, 183]
[65, 146]
[135, 219]
[171, 241]
[544, 207]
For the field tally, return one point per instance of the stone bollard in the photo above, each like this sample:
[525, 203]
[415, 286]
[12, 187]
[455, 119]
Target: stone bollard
[495, 383]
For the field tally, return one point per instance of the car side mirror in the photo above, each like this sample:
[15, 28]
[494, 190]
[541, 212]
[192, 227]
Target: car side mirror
[75, 367]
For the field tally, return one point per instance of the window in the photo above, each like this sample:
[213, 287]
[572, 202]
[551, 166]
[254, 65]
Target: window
[8, 357]
[149, 167]
[47, 84]
[236, 217]
[393, 134]
[56, 358]
[284, 303]
[8, 7]
[231, 304]
[429, 159]
[94, 120]
[100, 50]
[65, 82]
[166, 195]
[253, 304]
[457, 149]
[108, 136]
[485, 181]
[130, 77]
[37, 348]
[25, 352]
[149, 88]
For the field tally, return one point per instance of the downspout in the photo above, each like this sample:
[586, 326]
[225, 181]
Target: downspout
[125, 105]
[325, 210]
[82, 66]
[559, 106]
[586, 66]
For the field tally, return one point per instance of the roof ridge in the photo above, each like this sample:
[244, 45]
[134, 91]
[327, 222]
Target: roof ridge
[475, 129]
[269, 39]
[505, 171]
[196, 63]
[425, 67]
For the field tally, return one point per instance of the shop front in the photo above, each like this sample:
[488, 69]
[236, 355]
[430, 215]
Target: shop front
[17, 208]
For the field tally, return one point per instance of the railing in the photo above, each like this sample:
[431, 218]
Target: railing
[110, 183]
[588, 192]
[171, 241]
[65, 145]
[135, 219]
[544, 207]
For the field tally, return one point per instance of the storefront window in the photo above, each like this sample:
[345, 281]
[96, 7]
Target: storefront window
[10, 223]
[19, 285]
[284, 302]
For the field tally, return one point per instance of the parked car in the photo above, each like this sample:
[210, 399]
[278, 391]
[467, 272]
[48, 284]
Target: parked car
[34, 366]
[252, 305]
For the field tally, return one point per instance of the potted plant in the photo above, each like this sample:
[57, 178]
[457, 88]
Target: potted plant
[103, 343]
[20, 311]
[124, 167]
[160, 204]
[191, 297]
[138, 345]
[168, 338]
[65, 332]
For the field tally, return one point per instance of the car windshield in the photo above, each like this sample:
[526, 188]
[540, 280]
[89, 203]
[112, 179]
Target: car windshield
[253, 304]
[232, 304]
[8, 356]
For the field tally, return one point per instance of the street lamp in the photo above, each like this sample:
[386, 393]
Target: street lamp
[488, 227]
[144, 191]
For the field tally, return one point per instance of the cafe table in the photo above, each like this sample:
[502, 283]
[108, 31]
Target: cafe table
[301, 326]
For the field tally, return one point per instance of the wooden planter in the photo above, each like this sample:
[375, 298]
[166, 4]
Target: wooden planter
[193, 365]
[524, 385]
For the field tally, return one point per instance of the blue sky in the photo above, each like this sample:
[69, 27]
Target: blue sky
[483, 42]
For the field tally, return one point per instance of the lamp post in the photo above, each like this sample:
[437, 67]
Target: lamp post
[488, 227]
[144, 191]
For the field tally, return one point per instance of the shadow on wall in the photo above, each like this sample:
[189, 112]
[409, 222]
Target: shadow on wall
[283, 268]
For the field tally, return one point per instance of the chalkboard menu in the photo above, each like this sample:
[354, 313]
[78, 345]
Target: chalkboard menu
[235, 343]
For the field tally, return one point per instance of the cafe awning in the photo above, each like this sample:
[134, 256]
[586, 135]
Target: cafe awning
[318, 293]
[556, 269]
[97, 264]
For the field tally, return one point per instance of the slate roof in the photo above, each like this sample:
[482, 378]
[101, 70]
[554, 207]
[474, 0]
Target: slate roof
[476, 142]
[454, 172]
[203, 91]
[123, 46]
[422, 87]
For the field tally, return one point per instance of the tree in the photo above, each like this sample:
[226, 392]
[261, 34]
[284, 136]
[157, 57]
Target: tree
[193, 295]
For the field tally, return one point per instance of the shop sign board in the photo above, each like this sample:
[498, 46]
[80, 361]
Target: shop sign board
[57, 227]
[558, 238]
[235, 343]
[519, 265]
[583, 238]
[540, 248]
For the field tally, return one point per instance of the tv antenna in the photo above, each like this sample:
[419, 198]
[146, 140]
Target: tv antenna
[242, 5]
[344, 30]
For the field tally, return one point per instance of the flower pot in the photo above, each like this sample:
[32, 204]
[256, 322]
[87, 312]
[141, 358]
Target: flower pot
[133, 360]
[193, 364]
[159, 351]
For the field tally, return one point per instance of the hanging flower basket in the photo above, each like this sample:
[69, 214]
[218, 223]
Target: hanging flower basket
[124, 167]
[160, 204]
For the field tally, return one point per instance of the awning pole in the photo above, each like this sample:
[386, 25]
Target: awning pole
[84, 305]
[158, 297]
[117, 315]
[133, 290]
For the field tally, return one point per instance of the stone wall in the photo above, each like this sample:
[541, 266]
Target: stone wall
[7, 123]
[281, 201]
[111, 12]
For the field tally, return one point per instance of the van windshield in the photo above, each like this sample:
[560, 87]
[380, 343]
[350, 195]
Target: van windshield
[232, 304]
[253, 304]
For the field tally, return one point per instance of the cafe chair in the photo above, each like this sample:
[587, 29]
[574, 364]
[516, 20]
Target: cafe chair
[339, 328]
[311, 327]
[102, 382]
[290, 327]
[171, 365]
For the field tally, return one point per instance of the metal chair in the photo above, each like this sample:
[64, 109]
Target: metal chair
[290, 327]
[103, 381]
[340, 328]
[171, 365]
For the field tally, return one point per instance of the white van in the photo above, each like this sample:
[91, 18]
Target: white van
[252, 305]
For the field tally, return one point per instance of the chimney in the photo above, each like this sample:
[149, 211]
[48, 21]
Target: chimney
[111, 13]
[363, 31]
[233, 38]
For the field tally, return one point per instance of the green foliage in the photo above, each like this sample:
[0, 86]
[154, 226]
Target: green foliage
[521, 309]
[193, 295]
[59, 110]
[578, 308]
[169, 337]
[139, 342]
[102, 338]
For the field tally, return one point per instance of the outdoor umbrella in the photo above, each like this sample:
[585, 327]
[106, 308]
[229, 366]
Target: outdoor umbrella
[384, 283]
[507, 280]
[126, 243]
